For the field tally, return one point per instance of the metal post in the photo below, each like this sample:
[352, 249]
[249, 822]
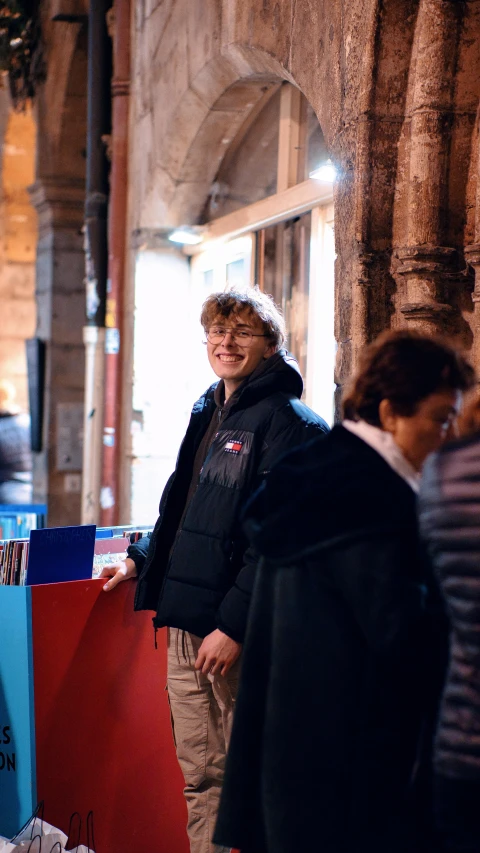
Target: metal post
[96, 250]
[114, 386]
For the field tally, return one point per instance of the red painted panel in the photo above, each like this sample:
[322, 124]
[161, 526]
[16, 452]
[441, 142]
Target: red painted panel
[102, 719]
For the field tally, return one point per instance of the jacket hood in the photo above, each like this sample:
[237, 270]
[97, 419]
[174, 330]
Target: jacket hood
[329, 490]
[280, 372]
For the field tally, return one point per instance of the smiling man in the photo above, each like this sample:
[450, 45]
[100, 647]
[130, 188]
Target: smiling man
[195, 570]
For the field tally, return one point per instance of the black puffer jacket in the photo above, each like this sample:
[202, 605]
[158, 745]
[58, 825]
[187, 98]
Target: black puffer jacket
[200, 577]
[450, 523]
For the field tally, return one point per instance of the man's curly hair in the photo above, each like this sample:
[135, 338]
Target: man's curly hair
[249, 301]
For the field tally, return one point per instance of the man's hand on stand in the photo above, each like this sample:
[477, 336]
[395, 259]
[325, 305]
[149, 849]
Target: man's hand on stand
[118, 572]
[217, 654]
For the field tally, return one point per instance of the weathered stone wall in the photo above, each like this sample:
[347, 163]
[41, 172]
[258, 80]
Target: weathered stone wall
[395, 86]
[200, 68]
[434, 208]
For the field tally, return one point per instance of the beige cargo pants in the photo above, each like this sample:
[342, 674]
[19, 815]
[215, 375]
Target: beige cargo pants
[202, 714]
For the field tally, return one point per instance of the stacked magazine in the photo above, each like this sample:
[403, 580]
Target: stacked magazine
[53, 555]
[13, 561]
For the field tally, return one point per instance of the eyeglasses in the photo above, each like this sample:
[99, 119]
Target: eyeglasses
[242, 337]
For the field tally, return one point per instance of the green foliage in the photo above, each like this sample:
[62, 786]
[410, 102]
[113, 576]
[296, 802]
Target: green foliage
[20, 47]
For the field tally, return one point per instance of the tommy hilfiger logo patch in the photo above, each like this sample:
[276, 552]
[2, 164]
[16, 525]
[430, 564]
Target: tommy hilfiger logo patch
[233, 447]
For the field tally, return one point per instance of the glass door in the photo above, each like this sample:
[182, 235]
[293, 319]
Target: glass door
[295, 264]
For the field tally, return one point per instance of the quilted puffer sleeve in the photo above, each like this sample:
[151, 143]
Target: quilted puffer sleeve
[138, 552]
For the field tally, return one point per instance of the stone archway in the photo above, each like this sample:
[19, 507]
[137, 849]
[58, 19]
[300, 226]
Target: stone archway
[208, 148]
[224, 102]
[185, 155]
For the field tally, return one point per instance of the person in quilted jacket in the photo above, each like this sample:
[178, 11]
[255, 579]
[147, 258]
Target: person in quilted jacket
[450, 524]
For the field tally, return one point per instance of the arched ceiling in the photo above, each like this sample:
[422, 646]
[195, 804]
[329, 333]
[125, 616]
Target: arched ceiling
[248, 170]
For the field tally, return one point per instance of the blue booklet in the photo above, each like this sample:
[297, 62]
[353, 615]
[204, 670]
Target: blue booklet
[60, 554]
[104, 533]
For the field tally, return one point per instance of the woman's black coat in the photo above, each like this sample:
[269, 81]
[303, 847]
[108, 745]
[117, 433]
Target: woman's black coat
[338, 671]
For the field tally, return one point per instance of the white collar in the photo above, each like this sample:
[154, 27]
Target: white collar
[384, 443]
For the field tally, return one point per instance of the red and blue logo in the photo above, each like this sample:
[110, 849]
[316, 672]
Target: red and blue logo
[233, 447]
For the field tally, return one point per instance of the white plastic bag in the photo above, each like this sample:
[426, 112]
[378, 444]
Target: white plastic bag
[45, 844]
[32, 846]
[90, 838]
[54, 836]
[39, 836]
[7, 846]
[49, 834]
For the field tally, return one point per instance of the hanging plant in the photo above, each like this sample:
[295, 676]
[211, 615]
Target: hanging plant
[20, 48]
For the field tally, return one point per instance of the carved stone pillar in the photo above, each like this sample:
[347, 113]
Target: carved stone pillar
[60, 311]
[426, 265]
[361, 298]
[425, 271]
[472, 256]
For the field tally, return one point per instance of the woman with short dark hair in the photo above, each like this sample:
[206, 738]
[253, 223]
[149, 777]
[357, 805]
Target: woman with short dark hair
[342, 659]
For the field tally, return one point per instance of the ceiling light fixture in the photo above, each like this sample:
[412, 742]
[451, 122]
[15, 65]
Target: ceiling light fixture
[185, 236]
[326, 172]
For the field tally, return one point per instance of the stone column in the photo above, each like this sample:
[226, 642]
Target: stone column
[60, 315]
[472, 256]
[426, 263]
